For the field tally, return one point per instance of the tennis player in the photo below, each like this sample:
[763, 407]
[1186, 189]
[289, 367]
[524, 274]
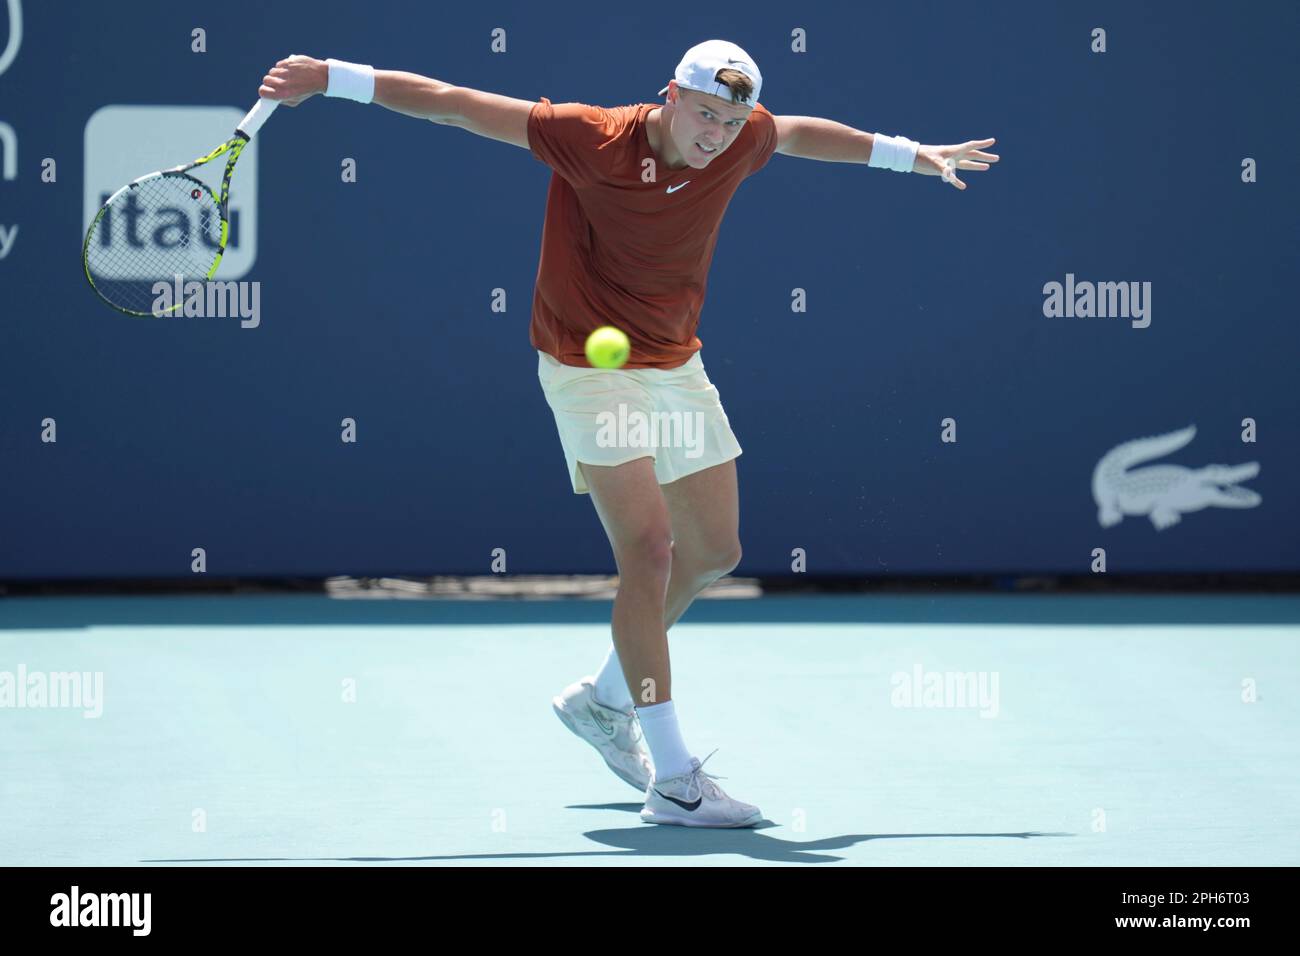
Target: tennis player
[632, 216]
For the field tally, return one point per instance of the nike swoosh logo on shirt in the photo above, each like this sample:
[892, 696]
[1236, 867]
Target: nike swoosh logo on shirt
[673, 189]
[681, 803]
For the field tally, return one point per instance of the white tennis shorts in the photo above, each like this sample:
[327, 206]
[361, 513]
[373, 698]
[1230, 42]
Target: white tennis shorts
[613, 416]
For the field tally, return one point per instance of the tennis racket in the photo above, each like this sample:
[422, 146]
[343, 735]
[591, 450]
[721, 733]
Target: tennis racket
[183, 223]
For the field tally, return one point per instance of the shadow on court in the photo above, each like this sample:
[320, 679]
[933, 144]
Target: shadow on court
[662, 841]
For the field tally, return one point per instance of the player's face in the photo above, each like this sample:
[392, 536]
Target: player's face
[703, 126]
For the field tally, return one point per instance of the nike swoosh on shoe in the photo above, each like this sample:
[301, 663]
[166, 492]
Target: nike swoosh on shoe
[682, 803]
[606, 728]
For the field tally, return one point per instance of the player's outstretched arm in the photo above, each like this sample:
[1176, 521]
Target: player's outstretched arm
[504, 118]
[811, 137]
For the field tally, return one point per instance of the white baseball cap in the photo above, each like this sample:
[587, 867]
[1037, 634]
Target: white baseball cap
[703, 61]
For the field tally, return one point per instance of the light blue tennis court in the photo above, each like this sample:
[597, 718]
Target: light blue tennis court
[871, 730]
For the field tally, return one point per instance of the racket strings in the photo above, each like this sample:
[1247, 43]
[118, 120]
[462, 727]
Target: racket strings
[159, 229]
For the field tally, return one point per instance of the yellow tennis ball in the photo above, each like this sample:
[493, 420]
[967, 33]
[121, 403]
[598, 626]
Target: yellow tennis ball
[608, 347]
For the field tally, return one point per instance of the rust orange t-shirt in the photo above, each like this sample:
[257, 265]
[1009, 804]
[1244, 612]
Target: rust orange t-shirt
[617, 250]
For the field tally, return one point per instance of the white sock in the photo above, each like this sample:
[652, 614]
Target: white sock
[664, 738]
[611, 687]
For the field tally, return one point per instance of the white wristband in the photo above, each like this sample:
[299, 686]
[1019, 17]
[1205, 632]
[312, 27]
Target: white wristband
[893, 152]
[352, 81]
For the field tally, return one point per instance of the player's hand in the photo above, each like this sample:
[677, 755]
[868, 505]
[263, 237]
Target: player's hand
[946, 160]
[296, 79]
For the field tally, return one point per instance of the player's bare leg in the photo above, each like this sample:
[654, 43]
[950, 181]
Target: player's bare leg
[635, 516]
[635, 512]
[704, 509]
[700, 517]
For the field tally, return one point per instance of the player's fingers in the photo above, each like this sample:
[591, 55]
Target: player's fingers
[967, 164]
[979, 154]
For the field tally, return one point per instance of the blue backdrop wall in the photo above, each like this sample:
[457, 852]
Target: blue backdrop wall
[923, 303]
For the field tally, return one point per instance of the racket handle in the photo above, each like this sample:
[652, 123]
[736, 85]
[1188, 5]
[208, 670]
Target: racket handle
[258, 115]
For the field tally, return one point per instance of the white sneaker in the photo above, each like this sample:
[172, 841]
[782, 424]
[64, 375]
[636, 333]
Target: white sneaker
[692, 799]
[615, 735]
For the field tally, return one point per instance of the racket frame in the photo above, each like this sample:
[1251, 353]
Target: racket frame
[244, 132]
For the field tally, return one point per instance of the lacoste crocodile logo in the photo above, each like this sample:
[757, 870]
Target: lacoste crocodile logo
[1165, 492]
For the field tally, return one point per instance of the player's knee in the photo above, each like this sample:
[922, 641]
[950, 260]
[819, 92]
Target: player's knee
[712, 562]
[648, 552]
[727, 558]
